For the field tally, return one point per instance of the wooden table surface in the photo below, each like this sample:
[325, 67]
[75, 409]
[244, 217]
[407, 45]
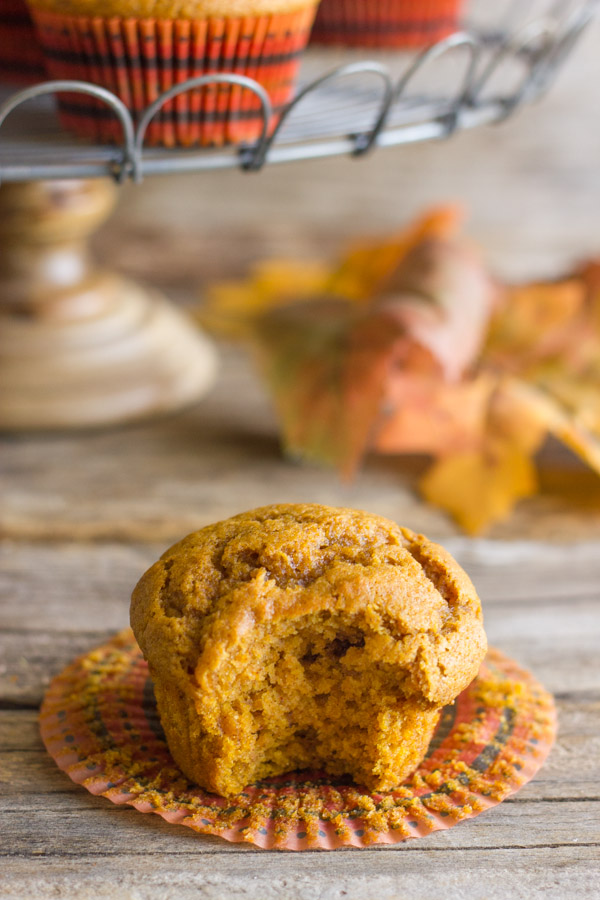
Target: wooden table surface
[81, 516]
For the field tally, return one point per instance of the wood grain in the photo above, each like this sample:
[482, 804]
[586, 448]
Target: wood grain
[408, 874]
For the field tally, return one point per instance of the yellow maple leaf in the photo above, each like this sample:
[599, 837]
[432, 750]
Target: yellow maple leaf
[366, 268]
[230, 306]
[578, 395]
[568, 426]
[479, 488]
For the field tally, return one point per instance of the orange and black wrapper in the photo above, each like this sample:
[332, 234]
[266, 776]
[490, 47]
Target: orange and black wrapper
[385, 24]
[21, 58]
[139, 59]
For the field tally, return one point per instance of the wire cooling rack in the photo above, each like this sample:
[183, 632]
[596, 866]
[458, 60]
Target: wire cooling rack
[344, 104]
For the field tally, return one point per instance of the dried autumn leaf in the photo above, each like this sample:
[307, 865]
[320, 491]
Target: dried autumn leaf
[231, 305]
[326, 366]
[550, 415]
[407, 345]
[589, 274]
[513, 417]
[299, 352]
[585, 444]
[535, 322]
[550, 337]
[335, 370]
[479, 488]
[372, 348]
[443, 297]
[578, 395]
[427, 415]
[367, 268]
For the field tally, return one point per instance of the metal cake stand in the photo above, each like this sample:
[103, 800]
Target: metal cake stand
[83, 347]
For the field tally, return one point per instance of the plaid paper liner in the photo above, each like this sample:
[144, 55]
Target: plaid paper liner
[100, 723]
[385, 23]
[21, 58]
[138, 59]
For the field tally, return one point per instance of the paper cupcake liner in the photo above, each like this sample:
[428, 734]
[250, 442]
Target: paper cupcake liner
[385, 23]
[139, 59]
[21, 59]
[99, 722]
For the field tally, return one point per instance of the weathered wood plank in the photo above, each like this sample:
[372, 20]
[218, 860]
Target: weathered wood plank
[68, 588]
[409, 871]
[83, 826]
[73, 587]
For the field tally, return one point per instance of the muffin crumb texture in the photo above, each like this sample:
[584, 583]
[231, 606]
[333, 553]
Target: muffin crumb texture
[301, 636]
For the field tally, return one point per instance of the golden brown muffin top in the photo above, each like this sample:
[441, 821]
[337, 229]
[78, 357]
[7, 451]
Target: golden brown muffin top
[193, 607]
[171, 9]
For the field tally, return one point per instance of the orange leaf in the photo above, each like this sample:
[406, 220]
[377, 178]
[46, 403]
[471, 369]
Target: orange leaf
[367, 268]
[513, 416]
[535, 321]
[478, 489]
[428, 415]
[326, 367]
[443, 297]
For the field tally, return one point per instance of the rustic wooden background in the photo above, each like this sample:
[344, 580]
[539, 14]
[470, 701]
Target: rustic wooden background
[82, 515]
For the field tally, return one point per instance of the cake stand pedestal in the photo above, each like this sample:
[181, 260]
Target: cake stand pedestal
[81, 346]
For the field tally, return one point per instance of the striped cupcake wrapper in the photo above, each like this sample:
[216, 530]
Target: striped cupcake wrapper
[139, 59]
[385, 24]
[21, 58]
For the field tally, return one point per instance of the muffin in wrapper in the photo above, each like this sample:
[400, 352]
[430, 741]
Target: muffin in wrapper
[138, 58]
[385, 24]
[304, 637]
[99, 723]
[21, 58]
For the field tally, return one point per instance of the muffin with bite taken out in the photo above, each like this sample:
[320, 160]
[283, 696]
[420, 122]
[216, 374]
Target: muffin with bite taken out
[302, 636]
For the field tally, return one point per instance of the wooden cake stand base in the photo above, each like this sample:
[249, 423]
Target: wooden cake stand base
[80, 346]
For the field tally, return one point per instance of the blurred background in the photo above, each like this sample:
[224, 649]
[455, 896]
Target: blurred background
[530, 189]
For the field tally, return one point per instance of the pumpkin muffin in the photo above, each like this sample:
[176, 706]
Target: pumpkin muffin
[138, 49]
[301, 636]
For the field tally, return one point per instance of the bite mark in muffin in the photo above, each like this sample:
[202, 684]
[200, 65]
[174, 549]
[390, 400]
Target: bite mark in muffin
[301, 636]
